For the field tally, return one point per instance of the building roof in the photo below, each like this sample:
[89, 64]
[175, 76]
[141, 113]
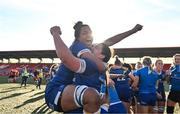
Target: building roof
[121, 52]
[153, 52]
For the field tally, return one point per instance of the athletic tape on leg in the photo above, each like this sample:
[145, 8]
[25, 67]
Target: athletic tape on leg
[78, 95]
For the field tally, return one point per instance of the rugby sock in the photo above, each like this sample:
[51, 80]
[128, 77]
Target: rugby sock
[116, 105]
[170, 109]
[103, 89]
[104, 109]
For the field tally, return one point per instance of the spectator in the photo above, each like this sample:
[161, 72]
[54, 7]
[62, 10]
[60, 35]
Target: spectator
[25, 76]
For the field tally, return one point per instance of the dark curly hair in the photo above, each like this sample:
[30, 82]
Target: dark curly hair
[77, 27]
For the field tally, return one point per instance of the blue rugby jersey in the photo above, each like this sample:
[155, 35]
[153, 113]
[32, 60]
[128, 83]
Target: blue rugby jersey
[147, 80]
[175, 78]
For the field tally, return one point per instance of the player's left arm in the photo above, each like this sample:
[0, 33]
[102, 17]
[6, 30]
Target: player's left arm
[117, 38]
[131, 76]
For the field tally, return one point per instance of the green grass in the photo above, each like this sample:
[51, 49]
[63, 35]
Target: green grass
[4, 79]
[16, 100]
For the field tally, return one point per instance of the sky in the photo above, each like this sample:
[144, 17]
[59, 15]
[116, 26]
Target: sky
[25, 24]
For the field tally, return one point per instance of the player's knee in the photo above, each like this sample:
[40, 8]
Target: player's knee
[92, 99]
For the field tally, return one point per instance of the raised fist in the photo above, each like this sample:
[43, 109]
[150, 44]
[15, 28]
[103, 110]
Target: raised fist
[138, 27]
[55, 30]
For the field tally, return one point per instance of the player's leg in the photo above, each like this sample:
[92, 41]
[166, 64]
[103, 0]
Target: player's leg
[170, 106]
[22, 81]
[40, 81]
[161, 106]
[134, 104]
[152, 102]
[124, 94]
[37, 82]
[104, 99]
[127, 105]
[25, 81]
[151, 109]
[143, 100]
[74, 97]
[144, 109]
[115, 106]
[53, 95]
[126, 102]
[171, 102]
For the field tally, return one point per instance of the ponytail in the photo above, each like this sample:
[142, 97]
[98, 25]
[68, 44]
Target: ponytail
[117, 61]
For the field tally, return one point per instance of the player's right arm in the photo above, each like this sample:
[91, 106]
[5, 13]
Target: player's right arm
[63, 52]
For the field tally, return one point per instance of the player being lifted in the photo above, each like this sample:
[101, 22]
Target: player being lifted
[60, 95]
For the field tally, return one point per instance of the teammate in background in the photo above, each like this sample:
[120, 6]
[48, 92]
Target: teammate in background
[138, 66]
[121, 76]
[174, 78]
[108, 92]
[147, 81]
[161, 74]
[24, 76]
[130, 74]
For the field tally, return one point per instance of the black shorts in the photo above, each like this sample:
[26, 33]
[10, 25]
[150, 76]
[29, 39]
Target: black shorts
[134, 97]
[174, 96]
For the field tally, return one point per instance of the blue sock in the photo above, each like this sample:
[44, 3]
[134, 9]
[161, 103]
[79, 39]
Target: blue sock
[104, 109]
[116, 105]
[103, 89]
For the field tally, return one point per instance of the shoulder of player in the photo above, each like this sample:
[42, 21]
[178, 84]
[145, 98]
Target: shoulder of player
[77, 44]
[141, 69]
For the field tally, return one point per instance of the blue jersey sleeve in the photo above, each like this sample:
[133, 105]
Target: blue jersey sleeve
[78, 48]
[91, 67]
[137, 73]
[112, 71]
[87, 67]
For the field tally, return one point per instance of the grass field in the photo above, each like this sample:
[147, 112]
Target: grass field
[16, 100]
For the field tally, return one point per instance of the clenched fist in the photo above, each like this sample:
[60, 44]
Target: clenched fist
[55, 30]
[138, 27]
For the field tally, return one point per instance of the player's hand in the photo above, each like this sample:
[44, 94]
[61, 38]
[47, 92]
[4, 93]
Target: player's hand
[138, 27]
[159, 96]
[168, 72]
[110, 82]
[55, 30]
